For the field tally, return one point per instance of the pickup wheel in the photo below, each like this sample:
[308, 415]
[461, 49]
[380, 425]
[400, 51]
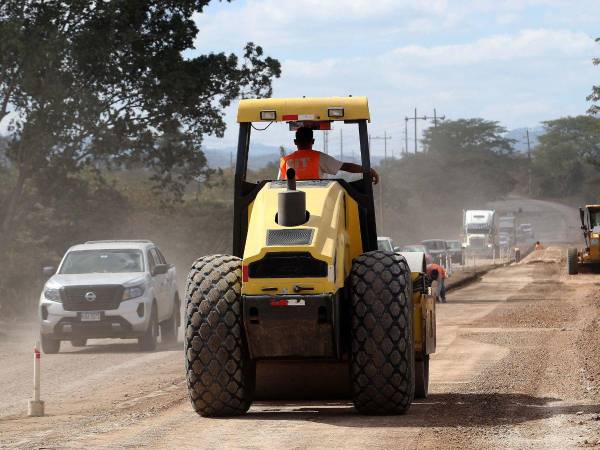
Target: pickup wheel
[382, 369]
[220, 374]
[147, 342]
[79, 342]
[50, 346]
[168, 328]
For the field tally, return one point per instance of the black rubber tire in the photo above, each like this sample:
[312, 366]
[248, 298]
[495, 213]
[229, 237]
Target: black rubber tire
[382, 359]
[169, 327]
[422, 377]
[572, 261]
[50, 346]
[147, 342]
[79, 342]
[220, 374]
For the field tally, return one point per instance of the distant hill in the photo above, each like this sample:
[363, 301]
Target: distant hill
[260, 155]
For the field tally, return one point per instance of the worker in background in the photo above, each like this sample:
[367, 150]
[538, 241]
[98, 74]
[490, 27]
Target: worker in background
[539, 246]
[311, 164]
[438, 273]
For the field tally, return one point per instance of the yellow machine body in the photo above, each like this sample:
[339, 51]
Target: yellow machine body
[591, 253]
[335, 237]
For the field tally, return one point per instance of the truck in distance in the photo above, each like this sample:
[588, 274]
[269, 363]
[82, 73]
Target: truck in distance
[479, 230]
[507, 226]
[110, 289]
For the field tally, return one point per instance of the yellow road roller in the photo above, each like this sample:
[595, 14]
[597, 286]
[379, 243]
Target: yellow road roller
[306, 305]
[587, 259]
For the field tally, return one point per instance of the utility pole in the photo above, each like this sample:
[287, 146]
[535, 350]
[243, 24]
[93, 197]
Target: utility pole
[435, 119]
[529, 165]
[326, 141]
[406, 135]
[384, 138]
[415, 118]
[416, 129]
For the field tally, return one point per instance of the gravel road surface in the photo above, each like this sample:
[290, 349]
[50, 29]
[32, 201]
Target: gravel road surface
[517, 366]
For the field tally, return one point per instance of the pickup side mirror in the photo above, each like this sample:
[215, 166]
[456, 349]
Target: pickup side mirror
[397, 249]
[48, 271]
[160, 269]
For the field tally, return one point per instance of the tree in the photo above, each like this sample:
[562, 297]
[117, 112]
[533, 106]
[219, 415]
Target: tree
[564, 151]
[595, 95]
[467, 136]
[89, 84]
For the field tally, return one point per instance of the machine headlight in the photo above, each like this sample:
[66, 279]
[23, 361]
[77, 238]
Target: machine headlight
[133, 292]
[52, 295]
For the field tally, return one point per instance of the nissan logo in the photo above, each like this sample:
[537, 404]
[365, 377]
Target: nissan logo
[90, 296]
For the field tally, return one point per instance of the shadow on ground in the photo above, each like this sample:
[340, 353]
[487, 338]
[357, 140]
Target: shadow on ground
[438, 410]
[125, 347]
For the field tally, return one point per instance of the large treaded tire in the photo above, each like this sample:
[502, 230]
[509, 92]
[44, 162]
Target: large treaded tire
[572, 261]
[220, 375]
[382, 367]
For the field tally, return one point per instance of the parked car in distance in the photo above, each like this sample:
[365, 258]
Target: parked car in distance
[526, 231]
[386, 244]
[110, 289]
[504, 240]
[455, 251]
[417, 248]
[438, 250]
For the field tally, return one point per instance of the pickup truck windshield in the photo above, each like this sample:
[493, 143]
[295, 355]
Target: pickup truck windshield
[103, 261]
[384, 245]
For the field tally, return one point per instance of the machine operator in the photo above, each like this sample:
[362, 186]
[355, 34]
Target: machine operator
[311, 164]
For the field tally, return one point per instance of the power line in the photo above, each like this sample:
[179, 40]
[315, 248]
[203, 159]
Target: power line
[416, 118]
[385, 138]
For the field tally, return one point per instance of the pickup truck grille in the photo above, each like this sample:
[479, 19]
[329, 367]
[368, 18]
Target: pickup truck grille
[106, 298]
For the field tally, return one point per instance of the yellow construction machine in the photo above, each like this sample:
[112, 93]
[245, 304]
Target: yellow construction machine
[589, 257]
[306, 298]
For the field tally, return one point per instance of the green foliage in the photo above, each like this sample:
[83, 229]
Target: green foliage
[91, 86]
[595, 95]
[567, 154]
[465, 136]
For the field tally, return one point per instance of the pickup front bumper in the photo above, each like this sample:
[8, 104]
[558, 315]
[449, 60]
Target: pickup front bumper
[130, 320]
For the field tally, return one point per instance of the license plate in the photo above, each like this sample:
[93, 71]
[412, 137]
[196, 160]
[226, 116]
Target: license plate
[92, 316]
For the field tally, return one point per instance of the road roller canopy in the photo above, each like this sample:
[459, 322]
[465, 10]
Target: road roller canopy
[306, 109]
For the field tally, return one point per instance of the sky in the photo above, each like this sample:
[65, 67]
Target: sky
[518, 62]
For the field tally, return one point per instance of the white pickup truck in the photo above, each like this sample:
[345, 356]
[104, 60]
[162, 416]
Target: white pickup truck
[110, 289]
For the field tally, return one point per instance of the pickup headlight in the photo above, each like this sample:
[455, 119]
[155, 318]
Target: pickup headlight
[52, 295]
[133, 292]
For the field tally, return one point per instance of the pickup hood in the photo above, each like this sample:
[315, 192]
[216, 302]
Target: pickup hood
[85, 279]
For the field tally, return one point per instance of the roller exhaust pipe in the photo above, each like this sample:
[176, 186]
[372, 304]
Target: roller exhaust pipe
[291, 204]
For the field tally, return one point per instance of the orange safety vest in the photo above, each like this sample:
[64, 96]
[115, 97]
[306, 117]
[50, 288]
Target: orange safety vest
[306, 163]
